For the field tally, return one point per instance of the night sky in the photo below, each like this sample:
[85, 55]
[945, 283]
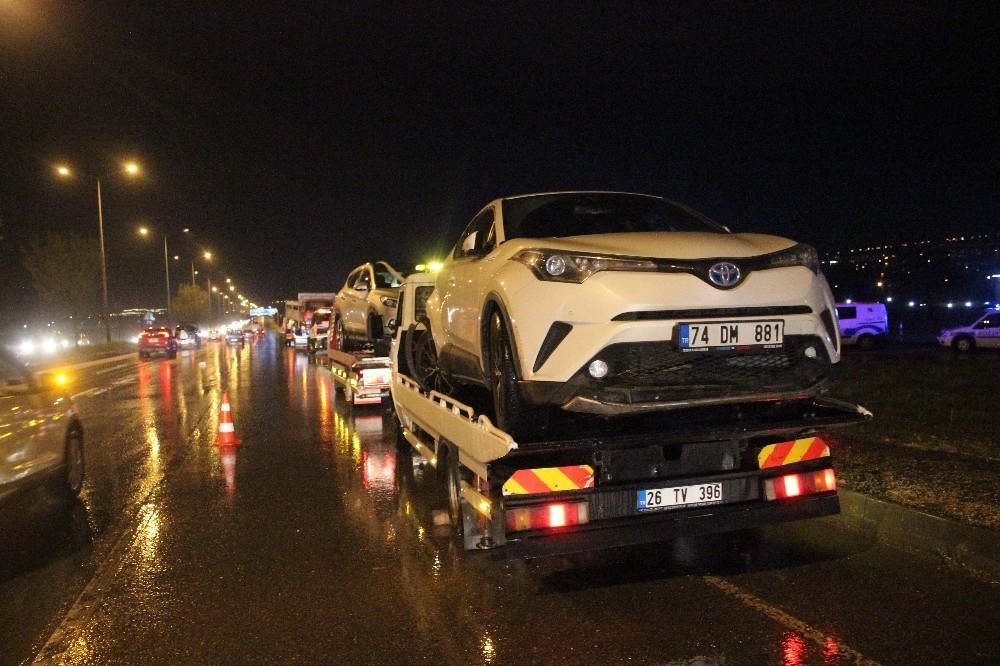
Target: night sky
[300, 139]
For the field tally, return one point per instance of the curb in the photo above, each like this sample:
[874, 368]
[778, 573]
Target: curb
[974, 549]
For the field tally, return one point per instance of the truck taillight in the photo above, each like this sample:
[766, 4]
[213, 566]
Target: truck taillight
[795, 485]
[559, 514]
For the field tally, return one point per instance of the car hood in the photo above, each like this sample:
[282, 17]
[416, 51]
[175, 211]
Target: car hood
[665, 244]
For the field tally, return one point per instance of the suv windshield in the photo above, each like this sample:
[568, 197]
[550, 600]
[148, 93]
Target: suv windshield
[586, 213]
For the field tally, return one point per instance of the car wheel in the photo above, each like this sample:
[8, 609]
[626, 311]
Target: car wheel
[423, 360]
[519, 418]
[341, 332]
[374, 327]
[75, 466]
[964, 343]
[866, 342]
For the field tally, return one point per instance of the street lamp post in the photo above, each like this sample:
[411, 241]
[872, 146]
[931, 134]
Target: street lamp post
[104, 265]
[166, 269]
[131, 169]
[143, 231]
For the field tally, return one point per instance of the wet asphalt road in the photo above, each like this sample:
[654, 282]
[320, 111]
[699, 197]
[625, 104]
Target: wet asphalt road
[316, 544]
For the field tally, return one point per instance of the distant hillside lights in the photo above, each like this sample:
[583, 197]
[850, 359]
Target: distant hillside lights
[941, 274]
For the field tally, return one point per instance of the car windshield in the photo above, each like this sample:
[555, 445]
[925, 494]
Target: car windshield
[582, 214]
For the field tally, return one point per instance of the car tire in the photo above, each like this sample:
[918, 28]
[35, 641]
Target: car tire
[964, 343]
[373, 326]
[513, 414]
[866, 341]
[341, 332]
[421, 356]
[75, 464]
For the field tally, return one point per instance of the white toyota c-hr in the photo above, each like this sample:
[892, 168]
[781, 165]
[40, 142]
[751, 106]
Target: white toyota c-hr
[613, 303]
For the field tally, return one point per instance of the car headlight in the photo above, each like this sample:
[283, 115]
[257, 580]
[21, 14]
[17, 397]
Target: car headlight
[388, 301]
[798, 255]
[556, 266]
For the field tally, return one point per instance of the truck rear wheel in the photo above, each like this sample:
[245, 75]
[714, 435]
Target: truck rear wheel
[453, 478]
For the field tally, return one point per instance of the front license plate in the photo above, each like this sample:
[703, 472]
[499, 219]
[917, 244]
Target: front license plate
[732, 335]
[665, 498]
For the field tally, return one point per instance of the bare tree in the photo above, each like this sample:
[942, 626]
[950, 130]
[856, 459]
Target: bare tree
[65, 270]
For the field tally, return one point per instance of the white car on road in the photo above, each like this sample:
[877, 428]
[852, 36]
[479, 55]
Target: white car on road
[41, 435]
[612, 303]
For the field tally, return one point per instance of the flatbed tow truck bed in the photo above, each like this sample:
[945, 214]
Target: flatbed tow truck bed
[626, 482]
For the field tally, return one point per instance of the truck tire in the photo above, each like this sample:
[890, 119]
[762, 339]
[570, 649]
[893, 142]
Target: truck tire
[512, 413]
[866, 341]
[453, 480]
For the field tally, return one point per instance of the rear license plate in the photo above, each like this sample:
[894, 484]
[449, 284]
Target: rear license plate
[665, 498]
[732, 335]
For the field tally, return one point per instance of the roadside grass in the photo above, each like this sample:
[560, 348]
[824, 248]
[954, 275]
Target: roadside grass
[946, 402]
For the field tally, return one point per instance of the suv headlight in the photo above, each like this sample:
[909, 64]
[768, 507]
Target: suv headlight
[798, 255]
[388, 301]
[556, 266]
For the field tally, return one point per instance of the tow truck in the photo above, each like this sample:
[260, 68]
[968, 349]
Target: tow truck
[364, 376]
[596, 483]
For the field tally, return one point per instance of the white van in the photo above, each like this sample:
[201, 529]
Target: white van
[862, 324]
[983, 333]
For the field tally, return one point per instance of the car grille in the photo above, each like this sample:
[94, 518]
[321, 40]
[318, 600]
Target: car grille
[658, 371]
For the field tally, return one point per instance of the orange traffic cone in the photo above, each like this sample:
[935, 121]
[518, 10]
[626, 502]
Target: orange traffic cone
[227, 434]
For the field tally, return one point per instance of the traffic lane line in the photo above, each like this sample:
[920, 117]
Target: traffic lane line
[817, 637]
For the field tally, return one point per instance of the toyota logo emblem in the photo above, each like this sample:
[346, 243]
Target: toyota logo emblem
[724, 274]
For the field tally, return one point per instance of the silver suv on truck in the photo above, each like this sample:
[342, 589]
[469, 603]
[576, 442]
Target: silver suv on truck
[365, 304]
